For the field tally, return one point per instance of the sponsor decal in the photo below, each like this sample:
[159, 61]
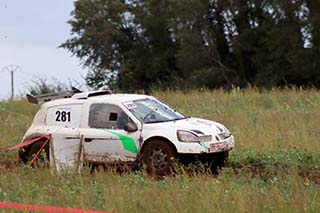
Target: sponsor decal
[130, 105]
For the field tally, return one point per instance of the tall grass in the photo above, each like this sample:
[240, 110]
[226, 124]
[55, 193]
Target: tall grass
[264, 121]
[230, 192]
[274, 167]
[15, 118]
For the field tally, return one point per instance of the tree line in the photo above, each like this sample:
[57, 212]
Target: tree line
[143, 44]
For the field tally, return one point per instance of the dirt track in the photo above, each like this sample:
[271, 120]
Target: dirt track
[312, 175]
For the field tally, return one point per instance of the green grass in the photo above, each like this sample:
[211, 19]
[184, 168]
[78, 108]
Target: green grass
[274, 167]
[263, 121]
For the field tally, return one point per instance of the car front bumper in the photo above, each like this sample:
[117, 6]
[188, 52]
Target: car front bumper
[206, 147]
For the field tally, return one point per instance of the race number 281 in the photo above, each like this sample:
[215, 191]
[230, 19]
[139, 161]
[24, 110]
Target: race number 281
[63, 116]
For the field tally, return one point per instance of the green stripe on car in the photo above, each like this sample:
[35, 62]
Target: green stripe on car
[203, 145]
[127, 142]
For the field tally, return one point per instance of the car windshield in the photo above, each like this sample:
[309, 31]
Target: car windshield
[152, 111]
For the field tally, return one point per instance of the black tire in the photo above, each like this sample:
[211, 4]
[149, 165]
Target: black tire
[42, 161]
[158, 157]
[219, 160]
[23, 155]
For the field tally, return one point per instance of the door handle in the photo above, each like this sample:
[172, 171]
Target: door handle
[88, 140]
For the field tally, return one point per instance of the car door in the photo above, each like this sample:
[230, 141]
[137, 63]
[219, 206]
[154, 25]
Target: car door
[105, 137]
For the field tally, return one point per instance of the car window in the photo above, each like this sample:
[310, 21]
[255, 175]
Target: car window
[107, 116]
[152, 111]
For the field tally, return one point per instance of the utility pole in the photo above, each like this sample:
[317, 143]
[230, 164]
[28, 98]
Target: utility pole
[12, 68]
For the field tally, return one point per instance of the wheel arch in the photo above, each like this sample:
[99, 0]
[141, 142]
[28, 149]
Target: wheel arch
[158, 138]
[23, 152]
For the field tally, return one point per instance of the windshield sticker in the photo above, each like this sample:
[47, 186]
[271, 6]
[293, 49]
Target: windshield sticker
[130, 105]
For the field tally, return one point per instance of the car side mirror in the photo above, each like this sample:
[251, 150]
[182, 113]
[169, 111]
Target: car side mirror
[131, 127]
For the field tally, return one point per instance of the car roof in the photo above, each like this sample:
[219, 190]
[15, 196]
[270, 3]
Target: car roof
[81, 98]
[119, 97]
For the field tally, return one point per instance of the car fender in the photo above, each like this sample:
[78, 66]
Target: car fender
[181, 147]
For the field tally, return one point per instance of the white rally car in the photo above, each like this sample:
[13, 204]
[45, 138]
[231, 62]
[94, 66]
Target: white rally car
[100, 127]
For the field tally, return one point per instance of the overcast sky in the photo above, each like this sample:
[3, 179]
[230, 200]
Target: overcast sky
[30, 33]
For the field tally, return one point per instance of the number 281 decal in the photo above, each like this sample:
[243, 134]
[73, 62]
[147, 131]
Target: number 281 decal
[63, 116]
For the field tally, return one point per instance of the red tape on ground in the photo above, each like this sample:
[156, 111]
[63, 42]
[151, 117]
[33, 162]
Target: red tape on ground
[26, 143]
[39, 208]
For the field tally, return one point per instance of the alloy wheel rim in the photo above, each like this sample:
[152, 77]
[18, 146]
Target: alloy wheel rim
[158, 159]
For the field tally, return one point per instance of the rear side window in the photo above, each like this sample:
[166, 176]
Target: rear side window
[107, 116]
[65, 116]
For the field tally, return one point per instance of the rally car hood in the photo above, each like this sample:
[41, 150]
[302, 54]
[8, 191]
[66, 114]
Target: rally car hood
[196, 125]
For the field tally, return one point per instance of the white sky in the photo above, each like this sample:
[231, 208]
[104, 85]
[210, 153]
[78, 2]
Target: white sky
[30, 33]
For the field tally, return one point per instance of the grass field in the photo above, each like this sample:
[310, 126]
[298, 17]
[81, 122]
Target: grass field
[274, 167]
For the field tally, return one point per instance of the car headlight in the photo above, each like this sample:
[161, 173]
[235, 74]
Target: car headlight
[225, 134]
[186, 136]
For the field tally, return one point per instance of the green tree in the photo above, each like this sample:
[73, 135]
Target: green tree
[143, 44]
[125, 43]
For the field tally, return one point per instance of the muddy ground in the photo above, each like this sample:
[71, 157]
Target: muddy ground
[255, 171]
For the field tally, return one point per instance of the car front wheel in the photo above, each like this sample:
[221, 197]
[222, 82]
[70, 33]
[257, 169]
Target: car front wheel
[219, 160]
[158, 157]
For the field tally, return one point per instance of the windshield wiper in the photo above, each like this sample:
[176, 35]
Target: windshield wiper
[175, 119]
[151, 122]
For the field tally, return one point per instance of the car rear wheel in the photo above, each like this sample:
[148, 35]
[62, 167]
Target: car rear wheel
[158, 157]
[42, 161]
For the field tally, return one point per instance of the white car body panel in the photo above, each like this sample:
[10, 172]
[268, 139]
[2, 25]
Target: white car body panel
[66, 152]
[105, 144]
